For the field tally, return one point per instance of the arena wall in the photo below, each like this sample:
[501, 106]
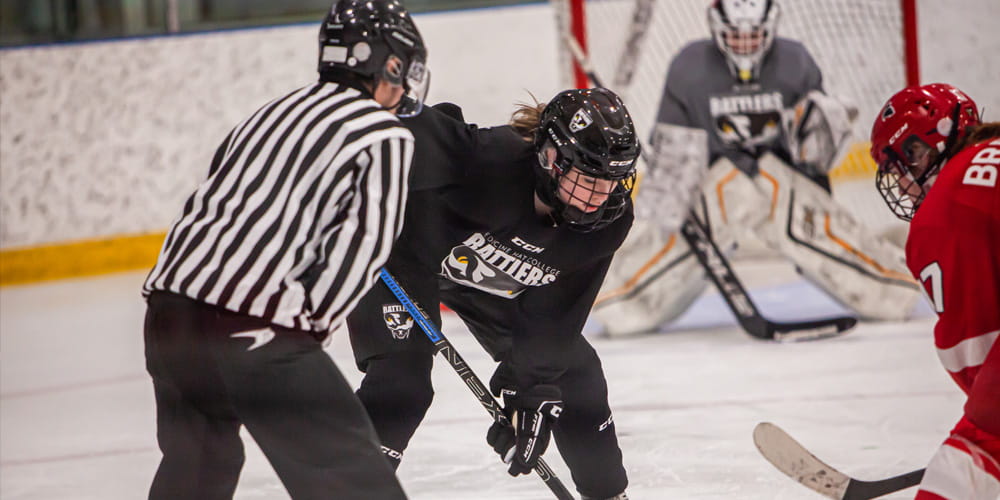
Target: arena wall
[100, 143]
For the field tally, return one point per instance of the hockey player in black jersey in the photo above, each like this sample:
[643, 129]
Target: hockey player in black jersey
[271, 252]
[512, 227]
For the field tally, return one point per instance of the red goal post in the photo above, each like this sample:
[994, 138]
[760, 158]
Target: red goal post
[867, 50]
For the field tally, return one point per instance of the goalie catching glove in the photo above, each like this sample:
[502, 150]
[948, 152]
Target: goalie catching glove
[532, 413]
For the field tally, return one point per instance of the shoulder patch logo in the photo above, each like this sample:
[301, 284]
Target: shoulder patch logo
[397, 320]
[581, 120]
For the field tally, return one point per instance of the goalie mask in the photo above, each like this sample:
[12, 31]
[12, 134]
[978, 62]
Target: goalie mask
[361, 37]
[587, 150]
[744, 31]
[913, 137]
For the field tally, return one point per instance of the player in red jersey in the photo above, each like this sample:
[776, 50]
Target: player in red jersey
[926, 136]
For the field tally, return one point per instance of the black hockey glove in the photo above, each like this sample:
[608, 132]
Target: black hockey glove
[532, 413]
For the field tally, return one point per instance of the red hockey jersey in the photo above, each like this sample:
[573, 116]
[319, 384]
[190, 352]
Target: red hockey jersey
[954, 250]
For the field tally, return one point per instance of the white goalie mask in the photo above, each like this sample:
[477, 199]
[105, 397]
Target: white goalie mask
[744, 32]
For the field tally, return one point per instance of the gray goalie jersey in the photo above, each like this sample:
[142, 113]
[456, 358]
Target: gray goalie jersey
[742, 120]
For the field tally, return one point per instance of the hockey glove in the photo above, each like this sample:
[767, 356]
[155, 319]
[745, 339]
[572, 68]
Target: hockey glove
[532, 413]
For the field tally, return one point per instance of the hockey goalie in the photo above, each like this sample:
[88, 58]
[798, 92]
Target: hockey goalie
[783, 200]
[744, 140]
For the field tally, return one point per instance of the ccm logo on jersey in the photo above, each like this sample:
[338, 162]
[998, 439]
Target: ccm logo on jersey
[983, 170]
[527, 246]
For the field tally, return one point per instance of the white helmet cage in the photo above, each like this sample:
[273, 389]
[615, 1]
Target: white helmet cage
[744, 31]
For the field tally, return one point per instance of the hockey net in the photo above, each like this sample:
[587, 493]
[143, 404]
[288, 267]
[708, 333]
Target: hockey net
[858, 44]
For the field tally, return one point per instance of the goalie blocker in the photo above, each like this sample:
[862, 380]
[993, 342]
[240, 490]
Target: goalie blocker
[655, 276]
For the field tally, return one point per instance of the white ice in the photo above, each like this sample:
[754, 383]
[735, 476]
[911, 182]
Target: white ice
[77, 413]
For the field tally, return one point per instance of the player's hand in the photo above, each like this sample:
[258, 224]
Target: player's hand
[532, 413]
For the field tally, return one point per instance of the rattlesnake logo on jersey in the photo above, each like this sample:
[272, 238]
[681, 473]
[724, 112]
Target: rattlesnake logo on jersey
[397, 320]
[485, 263]
[747, 120]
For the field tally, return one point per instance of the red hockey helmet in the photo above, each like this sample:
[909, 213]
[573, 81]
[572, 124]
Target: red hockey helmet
[913, 136]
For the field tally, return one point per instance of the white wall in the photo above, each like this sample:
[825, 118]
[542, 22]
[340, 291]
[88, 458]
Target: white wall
[109, 138]
[960, 45]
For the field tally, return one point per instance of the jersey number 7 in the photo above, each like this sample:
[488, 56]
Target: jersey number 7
[931, 276]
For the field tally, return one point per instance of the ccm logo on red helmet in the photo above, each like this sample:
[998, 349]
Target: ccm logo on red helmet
[895, 137]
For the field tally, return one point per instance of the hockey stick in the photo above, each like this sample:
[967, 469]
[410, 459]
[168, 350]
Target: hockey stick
[721, 273]
[791, 458]
[699, 238]
[642, 14]
[492, 406]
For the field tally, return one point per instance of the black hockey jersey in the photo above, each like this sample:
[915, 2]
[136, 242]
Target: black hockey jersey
[524, 285]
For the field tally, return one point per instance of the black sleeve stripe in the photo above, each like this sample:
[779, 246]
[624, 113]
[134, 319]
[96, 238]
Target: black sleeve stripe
[197, 211]
[278, 187]
[367, 249]
[210, 223]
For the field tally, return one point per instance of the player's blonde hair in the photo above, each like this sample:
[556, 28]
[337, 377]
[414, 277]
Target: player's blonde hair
[526, 118]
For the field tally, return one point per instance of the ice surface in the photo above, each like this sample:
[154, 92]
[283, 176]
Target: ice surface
[77, 414]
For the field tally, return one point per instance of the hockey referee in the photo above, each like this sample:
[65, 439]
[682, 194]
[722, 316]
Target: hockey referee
[299, 211]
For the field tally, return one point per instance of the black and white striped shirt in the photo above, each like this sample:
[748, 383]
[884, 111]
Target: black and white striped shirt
[300, 209]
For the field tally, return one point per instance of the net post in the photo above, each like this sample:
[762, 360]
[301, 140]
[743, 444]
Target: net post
[910, 48]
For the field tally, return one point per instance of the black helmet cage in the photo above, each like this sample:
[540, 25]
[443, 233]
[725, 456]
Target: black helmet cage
[889, 182]
[360, 36]
[589, 130]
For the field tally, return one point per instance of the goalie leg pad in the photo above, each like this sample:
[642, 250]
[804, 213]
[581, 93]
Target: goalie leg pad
[732, 204]
[653, 278]
[863, 271]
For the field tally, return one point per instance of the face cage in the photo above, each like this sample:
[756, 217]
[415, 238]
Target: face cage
[743, 64]
[902, 204]
[607, 211]
[743, 44]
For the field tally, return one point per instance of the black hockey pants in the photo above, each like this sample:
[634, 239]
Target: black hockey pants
[397, 389]
[284, 388]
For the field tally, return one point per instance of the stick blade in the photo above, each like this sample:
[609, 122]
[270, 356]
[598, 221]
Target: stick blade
[813, 330]
[791, 458]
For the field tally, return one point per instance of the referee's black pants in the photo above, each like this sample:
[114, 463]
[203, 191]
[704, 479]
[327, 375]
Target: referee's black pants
[287, 392]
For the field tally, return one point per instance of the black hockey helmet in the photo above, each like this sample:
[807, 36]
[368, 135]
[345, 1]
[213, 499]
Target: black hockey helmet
[591, 132]
[359, 36]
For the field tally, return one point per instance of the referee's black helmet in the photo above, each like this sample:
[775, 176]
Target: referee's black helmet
[360, 36]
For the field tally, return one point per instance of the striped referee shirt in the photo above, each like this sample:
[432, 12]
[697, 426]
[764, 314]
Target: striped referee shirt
[300, 209]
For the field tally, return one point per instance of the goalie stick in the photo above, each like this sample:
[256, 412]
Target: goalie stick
[791, 458]
[699, 237]
[444, 347]
[642, 14]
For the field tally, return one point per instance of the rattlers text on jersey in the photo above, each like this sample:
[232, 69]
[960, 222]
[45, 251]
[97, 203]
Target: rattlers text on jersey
[471, 224]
